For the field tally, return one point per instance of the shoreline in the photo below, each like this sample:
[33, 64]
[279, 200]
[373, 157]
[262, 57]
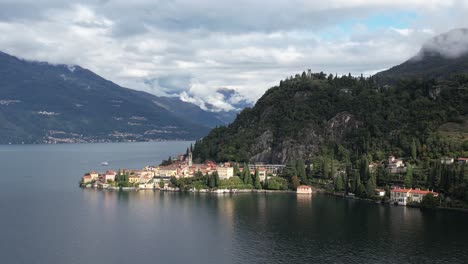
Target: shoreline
[175, 189]
[98, 142]
[228, 191]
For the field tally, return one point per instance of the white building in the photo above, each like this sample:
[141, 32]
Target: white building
[395, 165]
[109, 176]
[447, 160]
[404, 196]
[380, 192]
[94, 175]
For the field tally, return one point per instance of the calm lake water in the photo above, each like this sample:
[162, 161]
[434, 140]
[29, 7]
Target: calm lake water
[46, 218]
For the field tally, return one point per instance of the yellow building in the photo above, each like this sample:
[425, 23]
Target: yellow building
[166, 171]
[86, 178]
[225, 172]
[133, 179]
[94, 175]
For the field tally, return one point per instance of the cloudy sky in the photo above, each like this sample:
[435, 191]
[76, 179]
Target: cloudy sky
[193, 48]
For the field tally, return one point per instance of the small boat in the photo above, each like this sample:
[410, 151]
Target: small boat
[105, 163]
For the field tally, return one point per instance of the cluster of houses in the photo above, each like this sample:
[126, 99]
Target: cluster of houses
[182, 167]
[403, 196]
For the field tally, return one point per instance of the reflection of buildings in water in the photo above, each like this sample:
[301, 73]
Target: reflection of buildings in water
[225, 208]
[404, 222]
[304, 200]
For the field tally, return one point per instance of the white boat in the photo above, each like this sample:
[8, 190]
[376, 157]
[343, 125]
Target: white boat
[105, 163]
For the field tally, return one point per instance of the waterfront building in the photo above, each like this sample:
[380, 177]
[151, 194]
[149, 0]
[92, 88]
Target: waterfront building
[133, 178]
[109, 176]
[86, 178]
[304, 189]
[94, 175]
[404, 196]
[462, 160]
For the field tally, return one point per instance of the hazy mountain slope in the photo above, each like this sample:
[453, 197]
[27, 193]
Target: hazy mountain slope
[441, 57]
[40, 102]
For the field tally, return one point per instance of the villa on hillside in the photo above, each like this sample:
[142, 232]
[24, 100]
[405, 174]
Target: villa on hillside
[273, 169]
[395, 165]
[404, 196]
[446, 160]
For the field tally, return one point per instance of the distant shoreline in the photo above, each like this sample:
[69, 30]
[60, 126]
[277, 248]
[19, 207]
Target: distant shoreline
[103, 142]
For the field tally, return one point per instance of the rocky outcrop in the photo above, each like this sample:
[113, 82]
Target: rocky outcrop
[306, 144]
[340, 125]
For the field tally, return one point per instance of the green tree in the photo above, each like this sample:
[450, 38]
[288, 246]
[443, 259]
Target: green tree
[356, 182]
[246, 175]
[429, 201]
[257, 184]
[290, 169]
[174, 181]
[414, 150]
[215, 177]
[301, 171]
[370, 188]
[325, 170]
[208, 179]
[294, 182]
[236, 170]
[161, 183]
[409, 177]
[332, 169]
[211, 181]
[364, 168]
[198, 174]
[339, 184]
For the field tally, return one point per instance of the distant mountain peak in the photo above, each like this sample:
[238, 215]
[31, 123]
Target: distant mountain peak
[442, 57]
[450, 45]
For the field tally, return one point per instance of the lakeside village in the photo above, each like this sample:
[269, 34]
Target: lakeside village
[181, 174]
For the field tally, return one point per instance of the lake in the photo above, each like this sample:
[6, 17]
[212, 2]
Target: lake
[46, 218]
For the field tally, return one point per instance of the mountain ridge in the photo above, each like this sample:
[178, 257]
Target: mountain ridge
[47, 103]
[440, 57]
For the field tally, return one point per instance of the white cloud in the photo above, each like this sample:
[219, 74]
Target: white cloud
[192, 48]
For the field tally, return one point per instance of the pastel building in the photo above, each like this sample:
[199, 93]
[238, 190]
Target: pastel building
[225, 172]
[395, 165]
[404, 196]
[304, 189]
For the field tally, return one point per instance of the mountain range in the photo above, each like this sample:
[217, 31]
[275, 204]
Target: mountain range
[46, 103]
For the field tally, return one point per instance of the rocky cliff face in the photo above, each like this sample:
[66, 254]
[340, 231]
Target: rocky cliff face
[307, 142]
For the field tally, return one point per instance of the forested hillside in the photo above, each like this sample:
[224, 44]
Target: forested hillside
[345, 117]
